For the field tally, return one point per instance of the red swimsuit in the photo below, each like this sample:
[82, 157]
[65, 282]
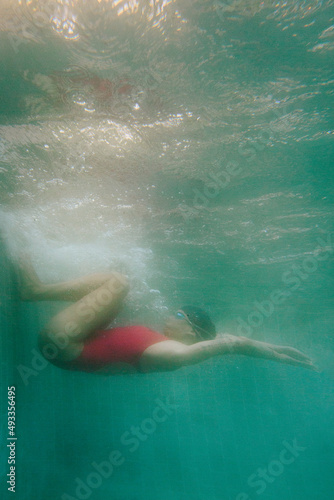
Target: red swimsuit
[118, 345]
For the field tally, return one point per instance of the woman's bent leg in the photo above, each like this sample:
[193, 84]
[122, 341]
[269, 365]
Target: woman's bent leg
[67, 331]
[32, 289]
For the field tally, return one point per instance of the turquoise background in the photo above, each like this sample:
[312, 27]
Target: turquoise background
[95, 180]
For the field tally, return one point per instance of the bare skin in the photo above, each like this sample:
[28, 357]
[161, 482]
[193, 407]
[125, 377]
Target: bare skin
[97, 300]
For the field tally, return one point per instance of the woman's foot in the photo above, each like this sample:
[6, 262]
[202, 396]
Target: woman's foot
[29, 283]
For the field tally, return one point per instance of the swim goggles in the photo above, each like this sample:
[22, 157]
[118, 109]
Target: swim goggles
[197, 329]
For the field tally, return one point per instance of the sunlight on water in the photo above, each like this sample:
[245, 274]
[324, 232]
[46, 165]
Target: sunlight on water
[136, 124]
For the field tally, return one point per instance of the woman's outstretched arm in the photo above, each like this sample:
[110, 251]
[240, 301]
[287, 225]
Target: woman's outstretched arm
[230, 344]
[172, 355]
[282, 354]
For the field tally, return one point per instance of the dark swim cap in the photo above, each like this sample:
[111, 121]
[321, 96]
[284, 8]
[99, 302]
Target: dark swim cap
[200, 321]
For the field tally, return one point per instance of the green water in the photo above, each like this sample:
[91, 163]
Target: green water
[188, 145]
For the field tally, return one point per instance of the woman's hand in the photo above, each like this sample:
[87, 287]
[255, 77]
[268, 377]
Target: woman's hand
[282, 354]
[292, 356]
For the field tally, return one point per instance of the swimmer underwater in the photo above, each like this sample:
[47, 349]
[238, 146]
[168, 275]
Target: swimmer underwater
[78, 338]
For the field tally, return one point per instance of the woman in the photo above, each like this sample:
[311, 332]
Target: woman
[77, 338]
